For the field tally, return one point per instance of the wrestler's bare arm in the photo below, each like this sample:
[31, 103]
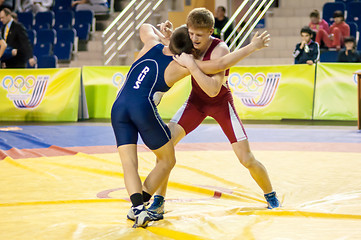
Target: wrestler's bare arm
[213, 66]
[150, 37]
[229, 60]
[3, 45]
[211, 85]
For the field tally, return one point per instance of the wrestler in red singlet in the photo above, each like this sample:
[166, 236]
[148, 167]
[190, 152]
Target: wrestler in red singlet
[199, 105]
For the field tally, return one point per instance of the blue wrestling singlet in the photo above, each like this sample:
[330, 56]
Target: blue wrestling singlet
[134, 110]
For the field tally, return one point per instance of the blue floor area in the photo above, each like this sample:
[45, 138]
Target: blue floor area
[77, 136]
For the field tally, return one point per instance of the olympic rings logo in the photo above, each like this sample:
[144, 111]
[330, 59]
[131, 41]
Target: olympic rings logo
[25, 92]
[247, 82]
[19, 84]
[355, 78]
[118, 80]
[254, 91]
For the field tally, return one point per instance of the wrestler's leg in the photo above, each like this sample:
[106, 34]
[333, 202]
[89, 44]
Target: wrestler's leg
[187, 118]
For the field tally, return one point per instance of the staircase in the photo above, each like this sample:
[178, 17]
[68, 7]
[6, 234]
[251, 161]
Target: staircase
[284, 25]
[121, 38]
[94, 54]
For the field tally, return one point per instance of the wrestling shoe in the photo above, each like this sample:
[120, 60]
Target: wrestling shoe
[152, 215]
[272, 200]
[131, 214]
[155, 216]
[157, 205]
[141, 216]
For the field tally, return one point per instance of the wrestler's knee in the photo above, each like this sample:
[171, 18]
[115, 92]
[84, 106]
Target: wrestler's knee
[248, 160]
[166, 156]
[177, 132]
[167, 163]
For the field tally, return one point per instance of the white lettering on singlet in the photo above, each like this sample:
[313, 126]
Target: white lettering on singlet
[141, 77]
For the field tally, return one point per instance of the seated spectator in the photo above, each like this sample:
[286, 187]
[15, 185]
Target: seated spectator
[35, 6]
[317, 24]
[307, 51]
[6, 4]
[220, 21]
[349, 54]
[338, 31]
[97, 6]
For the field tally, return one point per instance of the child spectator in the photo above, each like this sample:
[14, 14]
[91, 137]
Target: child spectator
[306, 51]
[338, 31]
[316, 23]
[350, 54]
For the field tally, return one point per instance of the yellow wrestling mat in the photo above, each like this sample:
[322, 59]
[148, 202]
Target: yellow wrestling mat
[211, 196]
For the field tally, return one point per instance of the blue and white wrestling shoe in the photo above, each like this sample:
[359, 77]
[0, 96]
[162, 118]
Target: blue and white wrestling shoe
[157, 205]
[272, 200]
[141, 217]
[152, 215]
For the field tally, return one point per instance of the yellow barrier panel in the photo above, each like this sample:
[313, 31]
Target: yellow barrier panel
[102, 84]
[273, 92]
[336, 91]
[39, 95]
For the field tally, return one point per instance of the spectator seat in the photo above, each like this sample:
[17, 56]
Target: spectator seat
[61, 5]
[354, 13]
[27, 19]
[329, 56]
[50, 61]
[85, 17]
[32, 36]
[83, 31]
[68, 35]
[46, 36]
[329, 8]
[345, 1]
[64, 19]
[41, 49]
[63, 51]
[44, 20]
[353, 29]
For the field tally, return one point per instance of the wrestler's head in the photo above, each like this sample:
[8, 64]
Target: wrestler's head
[180, 41]
[200, 23]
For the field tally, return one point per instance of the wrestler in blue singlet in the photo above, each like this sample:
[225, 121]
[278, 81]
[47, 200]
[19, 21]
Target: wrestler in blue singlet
[134, 110]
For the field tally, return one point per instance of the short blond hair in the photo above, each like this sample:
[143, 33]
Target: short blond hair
[200, 18]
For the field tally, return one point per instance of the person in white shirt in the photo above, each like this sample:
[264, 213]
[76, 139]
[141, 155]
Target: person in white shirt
[35, 6]
[97, 6]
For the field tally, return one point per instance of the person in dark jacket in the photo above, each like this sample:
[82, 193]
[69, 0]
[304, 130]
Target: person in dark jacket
[16, 37]
[220, 21]
[306, 51]
[349, 54]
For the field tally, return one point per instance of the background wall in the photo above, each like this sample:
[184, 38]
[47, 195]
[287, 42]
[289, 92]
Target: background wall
[179, 18]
